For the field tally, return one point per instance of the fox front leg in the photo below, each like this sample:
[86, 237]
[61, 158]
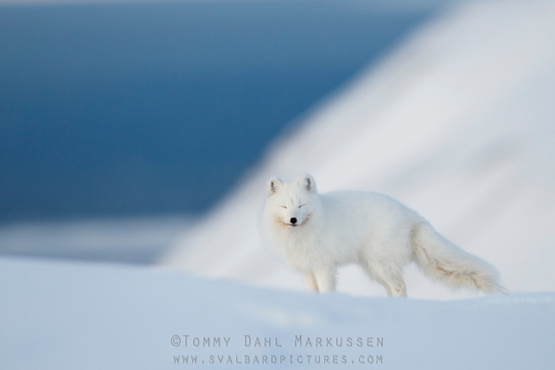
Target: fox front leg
[325, 279]
[310, 282]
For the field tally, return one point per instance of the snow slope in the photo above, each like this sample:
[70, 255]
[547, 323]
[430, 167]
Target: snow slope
[80, 316]
[457, 123]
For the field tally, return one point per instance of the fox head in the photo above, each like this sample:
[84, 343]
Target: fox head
[292, 203]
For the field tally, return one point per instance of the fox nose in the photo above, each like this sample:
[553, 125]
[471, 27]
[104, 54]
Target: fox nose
[293, 220]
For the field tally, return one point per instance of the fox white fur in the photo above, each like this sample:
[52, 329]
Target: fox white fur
[316, 233]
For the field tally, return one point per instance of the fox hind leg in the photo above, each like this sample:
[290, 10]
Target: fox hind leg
[398, 287]
[389, 276]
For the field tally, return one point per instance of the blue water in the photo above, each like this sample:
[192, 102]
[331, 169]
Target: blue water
[135, 109]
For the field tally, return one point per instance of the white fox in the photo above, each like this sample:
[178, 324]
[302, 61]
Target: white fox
[316, 233]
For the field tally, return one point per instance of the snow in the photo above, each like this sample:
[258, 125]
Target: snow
[457, 123]
[57, 315]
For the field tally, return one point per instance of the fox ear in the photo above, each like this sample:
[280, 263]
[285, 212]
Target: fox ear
[273, 185]
[307, 182]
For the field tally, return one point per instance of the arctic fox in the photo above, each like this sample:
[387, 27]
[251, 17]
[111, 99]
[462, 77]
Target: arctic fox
[316, 233]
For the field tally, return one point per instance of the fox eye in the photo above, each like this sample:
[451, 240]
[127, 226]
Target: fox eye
[284, 207]
[302, 205]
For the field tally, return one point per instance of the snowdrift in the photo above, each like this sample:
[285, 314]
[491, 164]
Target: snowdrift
[80, 316]
[457, 123]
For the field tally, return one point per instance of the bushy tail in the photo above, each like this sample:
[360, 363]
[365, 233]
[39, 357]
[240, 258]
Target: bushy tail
[442, 260]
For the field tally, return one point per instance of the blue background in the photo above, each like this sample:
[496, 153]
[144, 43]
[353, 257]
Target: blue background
[135, 109]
